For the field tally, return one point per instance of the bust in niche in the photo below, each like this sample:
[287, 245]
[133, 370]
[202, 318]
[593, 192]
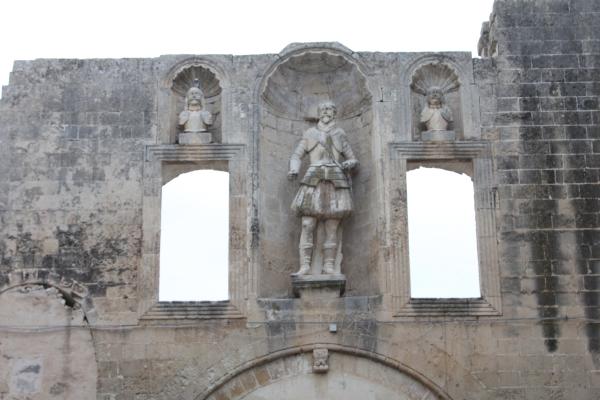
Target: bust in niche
[436, 116]
[195, 119]
[434, 81]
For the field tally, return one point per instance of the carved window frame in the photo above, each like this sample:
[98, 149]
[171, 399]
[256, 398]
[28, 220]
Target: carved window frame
[477, 152]
[158, 159]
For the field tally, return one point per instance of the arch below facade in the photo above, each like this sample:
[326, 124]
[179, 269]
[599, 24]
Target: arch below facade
[352, 374]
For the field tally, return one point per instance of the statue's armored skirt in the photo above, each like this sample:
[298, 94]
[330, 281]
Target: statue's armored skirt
[324, 193]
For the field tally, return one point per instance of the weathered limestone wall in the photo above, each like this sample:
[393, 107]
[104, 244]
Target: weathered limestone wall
[71, 136]
[55, 361]
[543, 110]
[84, 147]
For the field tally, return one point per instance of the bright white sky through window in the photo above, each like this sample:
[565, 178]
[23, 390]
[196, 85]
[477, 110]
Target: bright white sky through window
[441, 234]
[194, 237]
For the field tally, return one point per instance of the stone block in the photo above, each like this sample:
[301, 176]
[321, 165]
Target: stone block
[318, 286]
[436, 136]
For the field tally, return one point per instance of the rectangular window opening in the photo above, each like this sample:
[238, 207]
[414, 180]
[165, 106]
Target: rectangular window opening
[194, 239]
[442, 231]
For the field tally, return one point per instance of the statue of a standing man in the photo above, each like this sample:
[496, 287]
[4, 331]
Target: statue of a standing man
[325, 190]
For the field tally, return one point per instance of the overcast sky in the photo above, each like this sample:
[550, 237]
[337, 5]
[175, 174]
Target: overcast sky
[116, 29]
[32, 29]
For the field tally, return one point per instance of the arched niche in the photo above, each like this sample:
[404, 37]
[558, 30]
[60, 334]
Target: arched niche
[436, 74]
[47, 346]
[349, 377]
[289, 96]
[453, 71]
[180, 80]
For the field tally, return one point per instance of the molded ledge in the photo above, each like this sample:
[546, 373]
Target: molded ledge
[192, 310]
[447, 307]
[197, 152]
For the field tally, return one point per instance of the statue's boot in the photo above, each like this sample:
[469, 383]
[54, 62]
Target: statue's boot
[329, 253]
[305, 258]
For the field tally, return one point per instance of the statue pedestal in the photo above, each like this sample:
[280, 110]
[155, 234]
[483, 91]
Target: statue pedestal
[195, 138]
[438, 136]
[318, 286]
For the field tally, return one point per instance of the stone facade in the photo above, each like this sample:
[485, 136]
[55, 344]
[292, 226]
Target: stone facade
[86, 146]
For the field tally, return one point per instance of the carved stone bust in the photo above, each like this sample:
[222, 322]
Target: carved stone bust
[434, 81]
[436, 115]
[194, 119]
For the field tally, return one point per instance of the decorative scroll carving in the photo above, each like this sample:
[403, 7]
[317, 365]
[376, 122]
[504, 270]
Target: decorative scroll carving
[320, 361]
